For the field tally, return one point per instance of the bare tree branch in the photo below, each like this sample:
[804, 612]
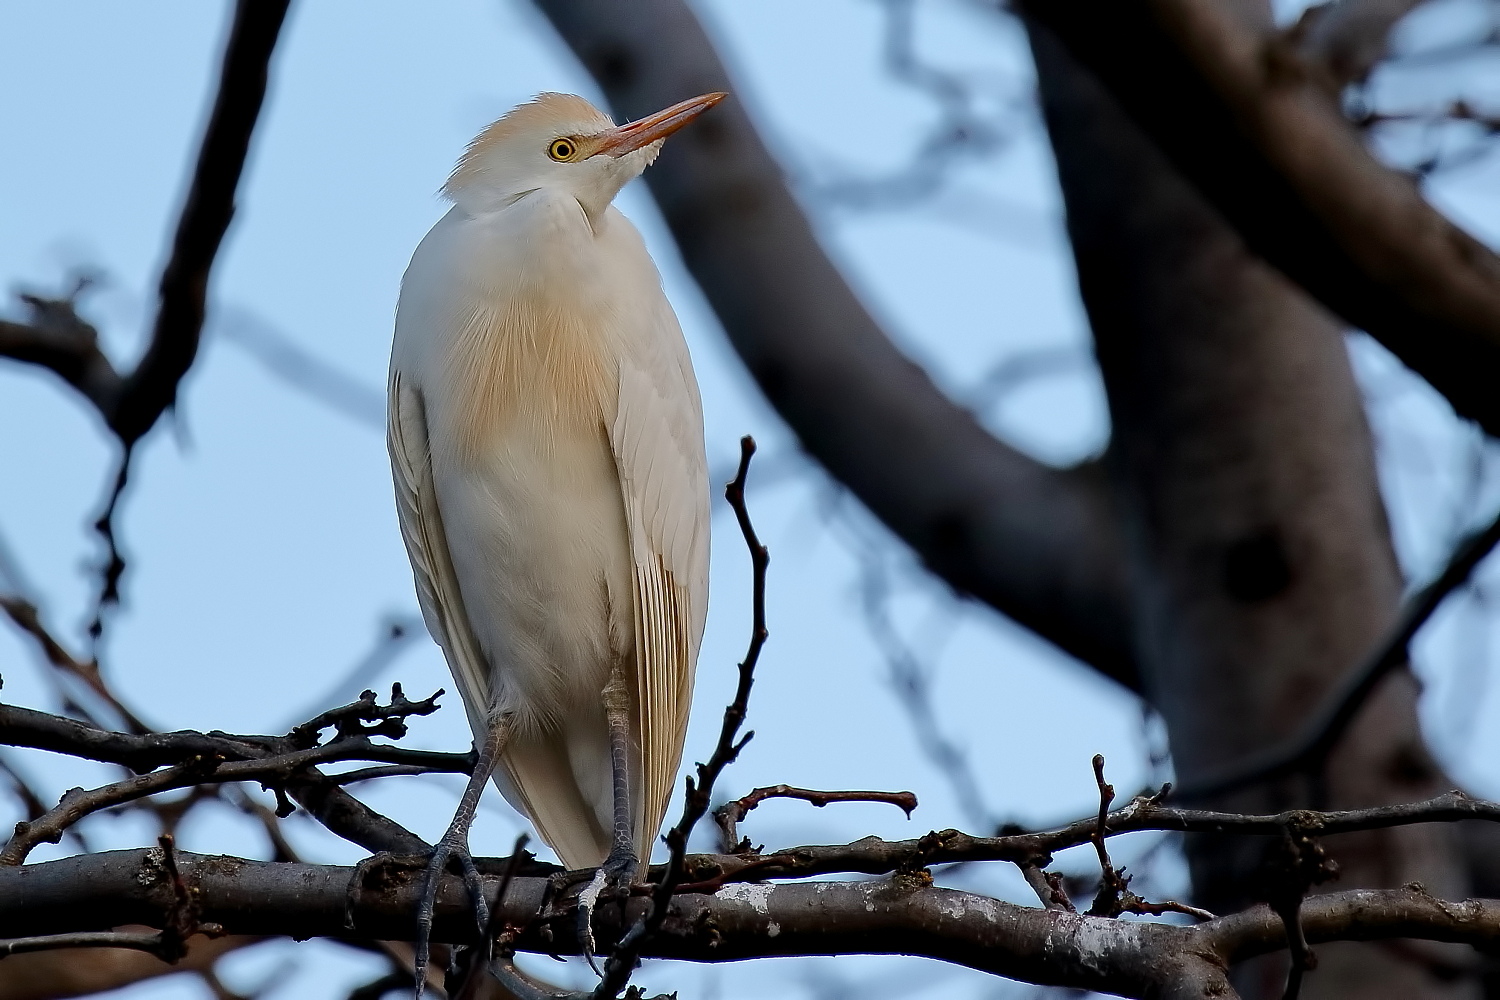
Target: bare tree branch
[1270, 149]
[152, 387]
[903, 915]
[1036, 543]
[27, 618]
[57, 338]
[874, 856]
[287, 763]
[351, 819]
[147, 751]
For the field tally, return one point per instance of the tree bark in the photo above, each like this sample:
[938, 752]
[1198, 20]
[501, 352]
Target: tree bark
[900, 915]
[1260, 554]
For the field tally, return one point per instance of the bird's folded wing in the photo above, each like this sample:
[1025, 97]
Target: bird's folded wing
[657, 438]
[422, 530]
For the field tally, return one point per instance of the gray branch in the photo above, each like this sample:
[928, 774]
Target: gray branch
[903, 915]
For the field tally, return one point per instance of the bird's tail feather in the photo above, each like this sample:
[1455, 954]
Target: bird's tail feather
[537, 778]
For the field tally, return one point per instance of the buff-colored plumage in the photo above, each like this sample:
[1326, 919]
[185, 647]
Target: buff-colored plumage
[546, 437]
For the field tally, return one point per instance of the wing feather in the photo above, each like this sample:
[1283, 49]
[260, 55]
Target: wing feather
[422, 530]
[658, 446]
[548, 798]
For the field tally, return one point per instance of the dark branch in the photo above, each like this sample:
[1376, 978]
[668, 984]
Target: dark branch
[55, 337]
[285, 763]
[1252, 124]
[152, 387]
[148, 751]
[351, 819]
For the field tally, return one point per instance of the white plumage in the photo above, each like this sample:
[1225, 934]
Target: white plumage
[546, 437]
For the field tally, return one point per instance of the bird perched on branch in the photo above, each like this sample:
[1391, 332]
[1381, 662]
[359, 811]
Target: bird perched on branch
[546, 438]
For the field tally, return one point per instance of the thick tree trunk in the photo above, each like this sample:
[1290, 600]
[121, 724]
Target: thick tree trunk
[1261, 560]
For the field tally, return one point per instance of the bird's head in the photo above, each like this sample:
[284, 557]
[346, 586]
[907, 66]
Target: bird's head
[562, 141]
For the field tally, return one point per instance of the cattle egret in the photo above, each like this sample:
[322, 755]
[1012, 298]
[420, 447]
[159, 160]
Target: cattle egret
[546, 438]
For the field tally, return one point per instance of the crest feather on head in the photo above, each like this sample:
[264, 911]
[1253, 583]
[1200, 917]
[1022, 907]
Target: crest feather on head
[566, 114]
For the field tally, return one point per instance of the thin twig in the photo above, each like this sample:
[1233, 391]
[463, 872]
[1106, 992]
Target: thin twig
[623, 959]
[1137, 905]
[1319, 735]
[1300, 954]
[1306, 864]
[350, 720]
[371, 773]
[77, 803]
[874, 856]
[32, 802]
[147, 942]
[1047, 886]
[1112, 884]
[274, 771]
[732, 813]
[25, 615]
[148, 750]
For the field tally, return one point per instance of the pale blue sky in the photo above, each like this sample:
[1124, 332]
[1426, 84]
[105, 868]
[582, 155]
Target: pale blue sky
[263, 548]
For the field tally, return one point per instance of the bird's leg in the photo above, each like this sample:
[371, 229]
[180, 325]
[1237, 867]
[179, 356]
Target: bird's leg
[621, 865]
[455, 844]
[622, 861]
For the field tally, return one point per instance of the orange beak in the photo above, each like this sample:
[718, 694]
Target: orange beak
[632, 136]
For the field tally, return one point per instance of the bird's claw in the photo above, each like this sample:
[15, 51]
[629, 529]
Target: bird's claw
[453, 845]
[617, 871]
[586, 901]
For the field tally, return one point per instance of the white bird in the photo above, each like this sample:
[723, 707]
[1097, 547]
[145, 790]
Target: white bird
[546, 439]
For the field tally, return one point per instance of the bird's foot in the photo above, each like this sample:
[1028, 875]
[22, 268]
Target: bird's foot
[453, 846]
[617, 873]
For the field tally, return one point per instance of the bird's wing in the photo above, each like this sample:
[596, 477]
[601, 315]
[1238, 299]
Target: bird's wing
[533, 775]
[422, 530]
[657, 439]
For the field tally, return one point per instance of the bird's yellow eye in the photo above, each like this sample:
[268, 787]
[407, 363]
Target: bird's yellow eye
[562, 149]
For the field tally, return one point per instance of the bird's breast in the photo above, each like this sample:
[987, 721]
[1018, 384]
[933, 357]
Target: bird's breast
[538, 307]
[515, 323]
